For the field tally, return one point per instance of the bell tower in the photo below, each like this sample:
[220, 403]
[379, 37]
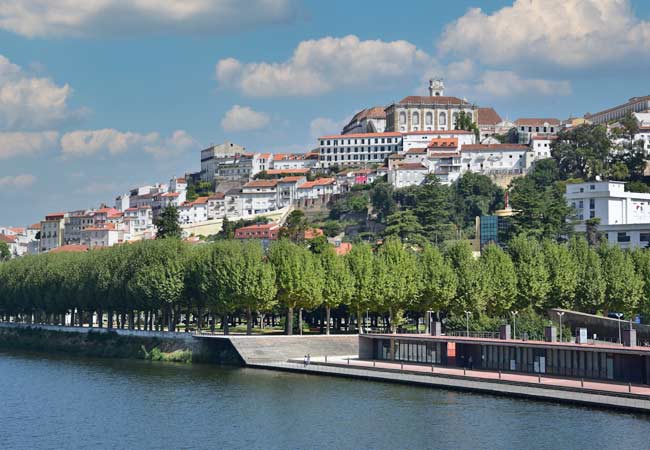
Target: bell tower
[436, 87]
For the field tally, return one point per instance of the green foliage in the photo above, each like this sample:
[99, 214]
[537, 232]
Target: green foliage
[382, 198]
[332, 228]
[476, 195]
[404, 225]
[623, 285]
[470, 293]
[200, 189]
[5, 253]
[582, 152]
[532, 275]
[168, 225]
[464, 121]
[499, 280]
[590, 289]
[438, 281]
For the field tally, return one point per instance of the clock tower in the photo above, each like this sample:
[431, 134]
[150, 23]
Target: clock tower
[436, 87]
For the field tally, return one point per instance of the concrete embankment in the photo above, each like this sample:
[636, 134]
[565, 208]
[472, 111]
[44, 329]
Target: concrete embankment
[115, 343]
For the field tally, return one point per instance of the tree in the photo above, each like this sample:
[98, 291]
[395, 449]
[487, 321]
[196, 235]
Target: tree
[360, 262]
[630, 125]
[396, 282]
[532, 275]
[298, 276]
[475, 195]
[432, 205]
[582, 152]
[295, 225]
[438, 281]
[500, 280]
[405, 225]
[623, 285]
[464, 121]
[542, 211]
[167, 224]
[382, 199]
[562, 275]
[641, 258]
[590, 289]
[470, 294]
[338, 284]
[256, 287]
[5, 253]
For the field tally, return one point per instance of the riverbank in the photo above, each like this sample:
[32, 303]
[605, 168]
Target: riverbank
[115, 343]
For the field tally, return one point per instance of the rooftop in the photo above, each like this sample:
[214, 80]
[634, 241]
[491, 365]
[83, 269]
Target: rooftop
[435, 100]
[488, 116]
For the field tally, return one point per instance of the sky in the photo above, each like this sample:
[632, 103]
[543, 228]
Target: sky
[99, 96]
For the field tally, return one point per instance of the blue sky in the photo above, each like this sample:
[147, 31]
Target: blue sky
[97, 96]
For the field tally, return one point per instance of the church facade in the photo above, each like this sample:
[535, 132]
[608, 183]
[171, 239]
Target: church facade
[427, 113]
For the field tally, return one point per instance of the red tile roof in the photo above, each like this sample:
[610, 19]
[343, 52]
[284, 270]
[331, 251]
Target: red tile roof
[35, 226]
[443, 142]
[493, 147]
[55, 216]
[444, 154]
[343, 249]
[488, 116]
[438, 132]
[72, 248]
[261, 184]
[318, 182]
[410, 166]
[292, 179]
[217, 196]
[416, 151]
[8, 239]
[536, 122]
[17, 230]
[311, 233]
[286, 171]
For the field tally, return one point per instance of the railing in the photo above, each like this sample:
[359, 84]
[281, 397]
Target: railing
[475, 334]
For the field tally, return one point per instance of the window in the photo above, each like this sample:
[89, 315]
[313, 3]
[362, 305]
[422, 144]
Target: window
[416, 118]
[592, 203]
[442, 119]
[428, 118]
[592, 187]
[644, 237]
[581, 204]
[622, 237]
[592, 214]
[402, 117]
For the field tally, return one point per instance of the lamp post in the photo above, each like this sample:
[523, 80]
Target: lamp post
[367, 318]
[300, 321]
[514, 324]
[560, 313]
[618, 316]
[467, 314]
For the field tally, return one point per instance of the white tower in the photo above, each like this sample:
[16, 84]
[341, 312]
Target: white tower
[436, 87]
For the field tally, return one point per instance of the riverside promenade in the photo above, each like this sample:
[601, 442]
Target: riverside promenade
[554, 389]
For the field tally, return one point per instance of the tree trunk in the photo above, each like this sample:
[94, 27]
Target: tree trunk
[226, 325]
[110, 319]
[290, 320]
[249, 321]
[327, 319]
[213, 322]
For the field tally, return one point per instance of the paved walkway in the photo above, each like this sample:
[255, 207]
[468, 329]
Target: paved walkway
[489, 375]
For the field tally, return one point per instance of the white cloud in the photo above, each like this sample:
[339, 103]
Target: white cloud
[178, 143]
[16, 144]
[501, 83]
[30, 102]
[568, 33]
[90, 142]
[17, 181]
[83, 143]
[320, 66]
[244, 118]
[322, 126]
[39, 18]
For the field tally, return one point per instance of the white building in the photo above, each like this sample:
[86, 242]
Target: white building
[421, 139]
[52, 231]
[624, 216]
[317, 191]
[371, 120]
[428, 113]
[140, 219]
[193, 212]
[357, 149]
[540, 146]
[407, 174]
[216, 206]
[635, 104]
[107, 235]
[259, 196]
[496, 159]
[215, 157]
[529, 128]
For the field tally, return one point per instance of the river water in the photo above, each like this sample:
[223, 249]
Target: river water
[67, 403]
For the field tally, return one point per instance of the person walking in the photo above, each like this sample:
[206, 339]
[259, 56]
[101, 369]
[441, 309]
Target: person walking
[470, 362]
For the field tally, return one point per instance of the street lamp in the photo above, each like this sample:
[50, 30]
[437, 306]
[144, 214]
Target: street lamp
[467, 314]
[618, 316]
[560, 313]
[514, 324]
[367, 319]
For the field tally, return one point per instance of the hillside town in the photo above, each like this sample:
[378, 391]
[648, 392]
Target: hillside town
[404, 144]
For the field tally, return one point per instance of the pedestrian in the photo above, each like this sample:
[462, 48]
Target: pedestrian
[304, 360]
[470, 362]
[308, 359]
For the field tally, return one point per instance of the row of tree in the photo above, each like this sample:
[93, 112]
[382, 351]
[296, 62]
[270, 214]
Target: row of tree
[158, 281]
